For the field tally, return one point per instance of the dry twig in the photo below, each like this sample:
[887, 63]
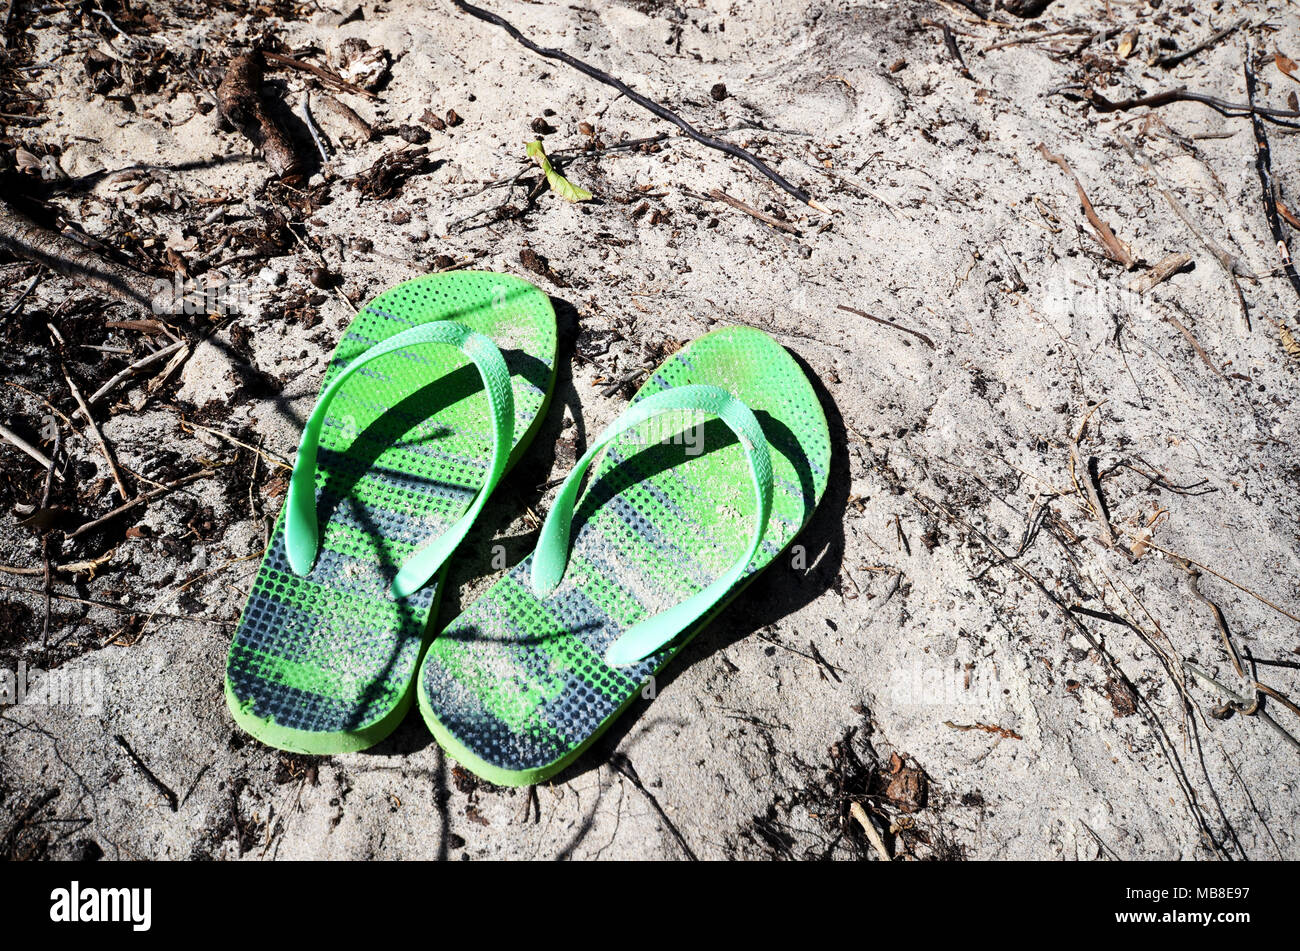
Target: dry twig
[1173, 59]
[11, 437]
[1160, 272]
[719, 195]
[239, 100]
[889, 323]
[1232, 110]
[138, 500]
[1115, 249]
[99, 437]
[986, 728]
[869, 830]
[137, 365]
[27, 239]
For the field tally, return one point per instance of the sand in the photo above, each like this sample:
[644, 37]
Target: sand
[918, 653]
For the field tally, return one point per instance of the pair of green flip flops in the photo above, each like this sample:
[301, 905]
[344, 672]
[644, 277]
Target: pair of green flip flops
[708, 475]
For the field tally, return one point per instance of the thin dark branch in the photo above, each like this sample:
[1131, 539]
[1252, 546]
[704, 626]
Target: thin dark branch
[158, 784]
[654, 107]
[889, 323]
[1264, 166]
[1173, 59]
[1222, 106]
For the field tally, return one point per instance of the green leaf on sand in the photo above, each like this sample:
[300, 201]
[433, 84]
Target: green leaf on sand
[559, 184]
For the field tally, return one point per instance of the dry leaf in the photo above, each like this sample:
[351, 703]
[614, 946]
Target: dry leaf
[27, 161]
[1289, 342]
[1127, 43]
[1286, 64]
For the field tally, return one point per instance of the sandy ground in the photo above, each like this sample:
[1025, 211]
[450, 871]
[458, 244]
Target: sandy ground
[957, 646]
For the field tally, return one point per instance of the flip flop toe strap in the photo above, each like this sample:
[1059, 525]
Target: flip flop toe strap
[552, 552]
[302, 535]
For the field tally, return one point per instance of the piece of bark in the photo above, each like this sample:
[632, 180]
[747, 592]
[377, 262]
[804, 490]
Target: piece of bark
[240, 102]
[359, 129]
[1161, 271]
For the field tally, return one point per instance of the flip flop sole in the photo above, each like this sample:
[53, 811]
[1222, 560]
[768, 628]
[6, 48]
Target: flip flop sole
[325, 662]
[516, 687]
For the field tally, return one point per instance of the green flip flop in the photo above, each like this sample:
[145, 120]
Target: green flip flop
[405, 444]
[716, 465]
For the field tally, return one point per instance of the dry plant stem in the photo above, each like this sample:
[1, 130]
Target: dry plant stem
[137, 365]
[869, 829]
[239, 100]
[1081, 471]
[1231, 262]
[29, 240]
[999, 731]
[338, 82]
[269, 457]
[1228, 262]
[99, 437]
[1278, 697]
[654, 107]
[950, 41]
[1189, 337]
[11, 437]
[1115, 249]
[1108, 662]
[45, 538]
[157, 783]
[137, 501]
[1160, 272]
[1173, 59]
[31, 286]
[1149, 542]
[718, 194]
[907, 330]
[317, 136]
[100, 604]
[1232, 110]
[1222, 577]
[1240, 703]
[49, 470]
[72, 568]
[1194, 578]
[1264, 166]
[143, 326]
[1036, 38]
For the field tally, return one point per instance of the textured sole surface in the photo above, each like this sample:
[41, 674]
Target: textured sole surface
[324, 663]
[516, 687]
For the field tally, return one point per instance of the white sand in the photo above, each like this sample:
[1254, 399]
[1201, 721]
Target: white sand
[942, 206]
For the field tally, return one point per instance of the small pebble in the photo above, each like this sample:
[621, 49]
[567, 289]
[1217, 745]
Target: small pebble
[413, 134]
